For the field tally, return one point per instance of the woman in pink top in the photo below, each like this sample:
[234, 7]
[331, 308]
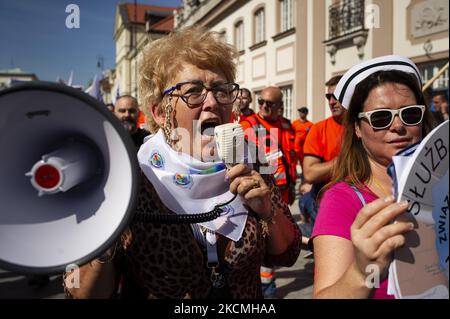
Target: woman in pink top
[353, 236]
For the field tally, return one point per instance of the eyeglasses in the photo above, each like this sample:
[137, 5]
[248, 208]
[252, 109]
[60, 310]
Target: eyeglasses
[268, 103]
[329, 96]
[382, 118]
[194, 93]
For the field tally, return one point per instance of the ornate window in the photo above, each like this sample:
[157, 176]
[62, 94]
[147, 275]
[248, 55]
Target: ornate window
[346, 24]
[286, 15]
[239, 36]
[288, 101]
[259, 26]
[346, 17]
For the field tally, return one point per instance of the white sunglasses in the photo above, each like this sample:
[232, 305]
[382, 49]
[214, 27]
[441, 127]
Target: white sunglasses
[382, 118]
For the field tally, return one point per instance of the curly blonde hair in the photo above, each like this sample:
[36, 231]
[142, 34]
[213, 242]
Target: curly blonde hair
[165, 57]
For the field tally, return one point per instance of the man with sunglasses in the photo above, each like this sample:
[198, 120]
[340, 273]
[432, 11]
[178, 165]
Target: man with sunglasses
[279, 133]
[321, 147]
[269, 121]
[322, 144]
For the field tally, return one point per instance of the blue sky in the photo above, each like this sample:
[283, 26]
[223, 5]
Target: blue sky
[34, 37]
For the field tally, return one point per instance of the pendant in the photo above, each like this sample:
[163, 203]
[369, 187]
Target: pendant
[217, 279]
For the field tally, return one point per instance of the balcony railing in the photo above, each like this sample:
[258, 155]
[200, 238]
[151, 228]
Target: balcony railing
[346, 17]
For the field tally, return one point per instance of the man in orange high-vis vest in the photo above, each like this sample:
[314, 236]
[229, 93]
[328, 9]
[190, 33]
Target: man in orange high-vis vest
[141, 121]
[324, 140]
[321, 148]
[301, 127]
[278, 137]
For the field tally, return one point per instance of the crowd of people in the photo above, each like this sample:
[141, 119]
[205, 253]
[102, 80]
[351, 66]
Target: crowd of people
[336, 168]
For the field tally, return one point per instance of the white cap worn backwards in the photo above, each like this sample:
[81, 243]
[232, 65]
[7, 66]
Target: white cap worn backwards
[346, 86]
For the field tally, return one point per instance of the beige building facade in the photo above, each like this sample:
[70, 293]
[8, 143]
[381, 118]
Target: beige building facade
[11, 76]
[299, 44]
[272, 37]
[135, 26]
[358, 30]
[294, 44]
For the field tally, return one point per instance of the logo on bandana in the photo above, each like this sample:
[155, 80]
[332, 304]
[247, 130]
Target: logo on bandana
[227, 210]
[156, 160]
[183, 180]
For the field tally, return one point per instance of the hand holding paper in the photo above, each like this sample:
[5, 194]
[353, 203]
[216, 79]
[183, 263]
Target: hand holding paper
[420, 174]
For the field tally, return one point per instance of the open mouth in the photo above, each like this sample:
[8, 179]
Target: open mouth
[207, 127]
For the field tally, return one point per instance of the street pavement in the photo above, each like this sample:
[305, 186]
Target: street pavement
[13, 286]
[292, 283]
[296, 282]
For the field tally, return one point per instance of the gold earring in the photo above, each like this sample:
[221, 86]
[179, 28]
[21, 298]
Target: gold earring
[167, 123]
[237, 113]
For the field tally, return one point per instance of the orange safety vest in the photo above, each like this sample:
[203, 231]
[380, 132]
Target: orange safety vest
[285, 173]
[242, 117]
[301, 131]
[141, 120]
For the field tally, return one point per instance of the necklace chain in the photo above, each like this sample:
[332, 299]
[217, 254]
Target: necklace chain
[377, 183]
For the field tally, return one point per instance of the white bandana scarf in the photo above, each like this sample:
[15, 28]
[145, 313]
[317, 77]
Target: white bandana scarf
[189, 186]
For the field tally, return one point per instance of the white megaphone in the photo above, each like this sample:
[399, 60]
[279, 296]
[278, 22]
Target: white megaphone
[69, 178]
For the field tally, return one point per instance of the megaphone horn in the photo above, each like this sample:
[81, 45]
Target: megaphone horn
[69, 179]
[64, 168]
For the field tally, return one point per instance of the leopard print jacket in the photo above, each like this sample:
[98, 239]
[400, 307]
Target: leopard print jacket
[166, 261]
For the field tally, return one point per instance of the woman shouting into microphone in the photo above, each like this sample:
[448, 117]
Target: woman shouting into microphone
[187, 88]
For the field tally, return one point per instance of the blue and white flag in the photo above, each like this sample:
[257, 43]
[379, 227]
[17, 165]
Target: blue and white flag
[94, 89]
[69, 82]
[116, 94]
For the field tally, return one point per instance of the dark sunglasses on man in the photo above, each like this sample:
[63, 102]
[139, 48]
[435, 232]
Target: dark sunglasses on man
[329, 96]
[268, 103]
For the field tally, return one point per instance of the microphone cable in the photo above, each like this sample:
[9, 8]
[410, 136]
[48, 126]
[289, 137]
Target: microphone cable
[144, 217]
